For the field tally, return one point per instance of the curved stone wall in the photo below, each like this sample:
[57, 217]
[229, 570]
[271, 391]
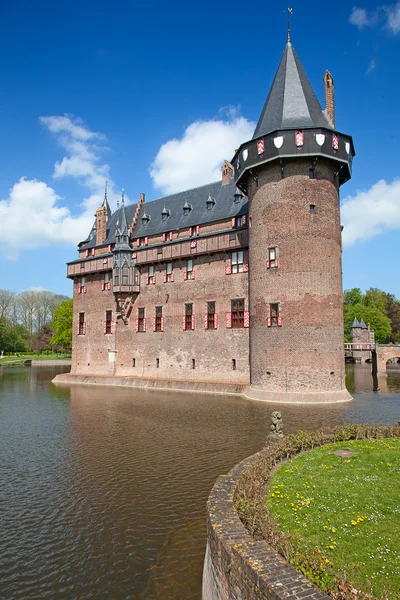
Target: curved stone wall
[236, 566]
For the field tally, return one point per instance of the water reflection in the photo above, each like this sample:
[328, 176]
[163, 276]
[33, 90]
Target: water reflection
[105, 488]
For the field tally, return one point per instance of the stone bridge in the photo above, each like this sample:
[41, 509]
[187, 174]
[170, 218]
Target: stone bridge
[383, 353]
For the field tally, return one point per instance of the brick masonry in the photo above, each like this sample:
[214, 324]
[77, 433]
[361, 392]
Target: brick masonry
[236, 566]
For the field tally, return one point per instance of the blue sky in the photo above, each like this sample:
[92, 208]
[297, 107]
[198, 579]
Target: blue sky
[154, 97]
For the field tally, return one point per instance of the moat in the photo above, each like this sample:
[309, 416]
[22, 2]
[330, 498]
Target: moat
[103, 489]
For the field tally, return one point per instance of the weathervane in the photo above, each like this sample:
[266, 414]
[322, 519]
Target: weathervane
[290, 12]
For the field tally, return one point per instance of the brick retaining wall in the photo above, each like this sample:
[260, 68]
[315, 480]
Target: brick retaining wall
[236, 566]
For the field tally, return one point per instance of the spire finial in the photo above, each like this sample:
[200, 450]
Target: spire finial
[123, 197]
[290, 12]
[105, 192]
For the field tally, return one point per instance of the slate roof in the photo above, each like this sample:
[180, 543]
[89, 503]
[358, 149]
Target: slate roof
[291, 102]
[355, 323]
[223, 207]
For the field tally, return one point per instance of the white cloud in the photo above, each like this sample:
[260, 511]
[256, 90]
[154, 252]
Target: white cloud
[372, 212]
[393, 17]
[371, 66]
[32, 216]
[389, 13]
[359, 17]
[196, 157]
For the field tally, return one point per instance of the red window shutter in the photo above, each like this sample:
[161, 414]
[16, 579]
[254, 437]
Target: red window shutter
[154, 323]
[146, 241]
[276, 262]
[93, 252]
[184, 275]
[134, 255]
[137, 325]
[206, 321]
[193, 322]
[165, 278]
[104, 326]
[138, 243]
[172, 277]
[87, 253]
[244, 219]
[144, 324]
[147, 280]
[193, 244]
[268, 264]
[109, 285]
[164, 237]
[109, 247]
[229, 320]
[184, 323]
[193, 274]
[84, 289]
[84, 328]
[228, 269]
[102, 286]
[233, 222]
[190, 231]
[79, 290]
[154, 279]
[77, 328]
[170, 236]
[215, 321]
[197, 229]
[112, 326]
[162, 323]
[246, 319]
[269, 321]
[245, 267]
[279, 321]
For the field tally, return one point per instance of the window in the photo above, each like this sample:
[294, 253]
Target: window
[210, 202]
[158, 320]
[239, 221]
[312, 209]
[151, 278]
[187, 208]
[237, 261]
[189, 273]
[125, 275]
[133, 362]
[157, 363]
[81, 324]
[233, 364]
[272, 260]
[311, 173]
[193, 363]
[169, 275]
[188, 319]
[141, 321]
[165, 213]
[116, 276]
[142, 242]
[237, 309]
[210, 317]
[82, 286]
[106, 283]
[274, 314]
[108, 322]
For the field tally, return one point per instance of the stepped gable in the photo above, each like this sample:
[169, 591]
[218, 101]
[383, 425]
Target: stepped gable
[291, 102]
[189, 208]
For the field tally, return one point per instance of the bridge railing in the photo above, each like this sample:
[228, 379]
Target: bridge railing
[355, 346]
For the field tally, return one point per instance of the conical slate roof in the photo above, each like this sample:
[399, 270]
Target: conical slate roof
[355, 323]
[362, 324]
[291, 102]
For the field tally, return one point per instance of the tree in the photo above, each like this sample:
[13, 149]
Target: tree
[62, 325]
[376, 299]
[7, 300]
[352, 297]
[378, 321]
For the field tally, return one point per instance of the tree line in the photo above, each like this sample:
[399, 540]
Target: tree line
[378, 309]
[27, 320]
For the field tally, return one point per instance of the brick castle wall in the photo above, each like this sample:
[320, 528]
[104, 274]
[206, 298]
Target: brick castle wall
[306, 354]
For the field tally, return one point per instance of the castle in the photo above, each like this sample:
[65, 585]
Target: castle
[235, 285]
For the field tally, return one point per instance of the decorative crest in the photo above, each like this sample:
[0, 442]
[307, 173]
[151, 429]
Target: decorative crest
[123, 197]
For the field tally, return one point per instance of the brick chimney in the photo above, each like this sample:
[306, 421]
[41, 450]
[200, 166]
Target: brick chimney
[227, 172]
[101, 224]
[329, 96]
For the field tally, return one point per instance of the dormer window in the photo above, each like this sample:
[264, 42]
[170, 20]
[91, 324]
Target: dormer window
[145, 219]
[186, 209]
[210, 203]
[165, 214]
[237, 195]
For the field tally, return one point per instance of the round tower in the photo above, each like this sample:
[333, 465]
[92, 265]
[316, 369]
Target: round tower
[291, 171]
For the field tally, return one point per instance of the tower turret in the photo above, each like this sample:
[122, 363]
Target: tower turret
[291, 171]
[125, 273]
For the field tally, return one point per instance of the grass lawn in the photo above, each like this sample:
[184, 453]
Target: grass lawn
[22, 357]
[346, 509]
